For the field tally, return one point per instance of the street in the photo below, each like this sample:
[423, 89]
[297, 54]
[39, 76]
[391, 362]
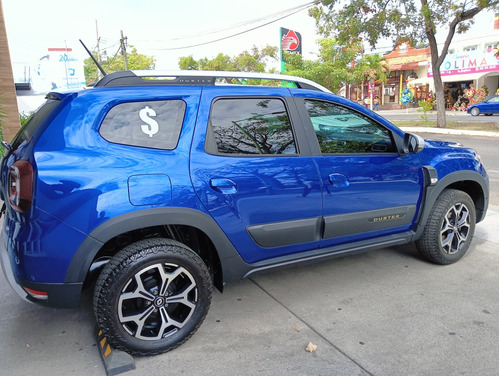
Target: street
[460, 116]
[487, 147]
[385, 312]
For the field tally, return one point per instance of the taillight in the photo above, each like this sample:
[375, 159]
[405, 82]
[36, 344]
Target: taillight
[20, 185]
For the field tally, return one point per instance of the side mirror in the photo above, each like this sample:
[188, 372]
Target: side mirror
[413, 144]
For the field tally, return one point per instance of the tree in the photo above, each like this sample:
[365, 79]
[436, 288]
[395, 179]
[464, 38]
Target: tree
[330, 69]
[135, 61]
[338, 65]
[377, 19]
[253, 61]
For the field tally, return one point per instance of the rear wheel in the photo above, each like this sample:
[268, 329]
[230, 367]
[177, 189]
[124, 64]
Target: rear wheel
[152, 296]
[449, 229]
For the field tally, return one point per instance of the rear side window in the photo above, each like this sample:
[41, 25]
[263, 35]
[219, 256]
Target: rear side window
[251, 126]
[154, 124]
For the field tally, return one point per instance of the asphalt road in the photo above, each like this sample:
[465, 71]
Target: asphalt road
[487, 147]
[451, 116]
[382, 313]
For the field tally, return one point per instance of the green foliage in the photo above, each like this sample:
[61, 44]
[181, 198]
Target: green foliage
[337, 65]
[350, 21]
[373, 20]
[426, 106]
[116, 63]
[2, 115]
[248, 61]
[24, 118]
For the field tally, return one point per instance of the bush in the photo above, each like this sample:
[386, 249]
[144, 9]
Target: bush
[426, 107]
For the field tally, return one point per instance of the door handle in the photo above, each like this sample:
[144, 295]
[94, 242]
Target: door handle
[223, 185]
[338, 180]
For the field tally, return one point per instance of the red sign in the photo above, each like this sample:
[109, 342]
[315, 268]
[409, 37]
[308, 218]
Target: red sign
[290, 41]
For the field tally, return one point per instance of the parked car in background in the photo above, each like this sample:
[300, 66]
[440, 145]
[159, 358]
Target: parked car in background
[488, 107]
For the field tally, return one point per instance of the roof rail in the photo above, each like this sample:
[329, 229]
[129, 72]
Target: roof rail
[191, 77]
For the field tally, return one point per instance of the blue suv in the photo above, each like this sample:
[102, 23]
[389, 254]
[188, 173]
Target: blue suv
[163, 185]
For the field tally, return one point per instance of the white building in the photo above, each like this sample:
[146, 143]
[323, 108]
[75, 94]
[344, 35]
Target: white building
[472, 61]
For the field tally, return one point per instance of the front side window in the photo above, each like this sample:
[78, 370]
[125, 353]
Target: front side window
[341, 130]
[251, 126]
[153, 124]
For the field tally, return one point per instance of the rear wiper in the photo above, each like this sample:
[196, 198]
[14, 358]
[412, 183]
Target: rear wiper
[7, 146]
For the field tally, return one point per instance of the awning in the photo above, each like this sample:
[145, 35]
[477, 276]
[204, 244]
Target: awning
[403, 67]
[463, 77]
[421, 81]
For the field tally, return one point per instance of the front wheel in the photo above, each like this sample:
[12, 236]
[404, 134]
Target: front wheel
[152, 296]
[475, 111]
[449, 229]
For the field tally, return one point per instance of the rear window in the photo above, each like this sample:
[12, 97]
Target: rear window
[34, 121]
[154, 124]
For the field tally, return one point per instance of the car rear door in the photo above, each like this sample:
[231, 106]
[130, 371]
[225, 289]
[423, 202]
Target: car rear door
[253, 171]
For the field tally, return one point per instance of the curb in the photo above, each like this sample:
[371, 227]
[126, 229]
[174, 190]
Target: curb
[456, 132]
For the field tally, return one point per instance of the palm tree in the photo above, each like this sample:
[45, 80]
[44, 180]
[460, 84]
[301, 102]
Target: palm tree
[369, 69]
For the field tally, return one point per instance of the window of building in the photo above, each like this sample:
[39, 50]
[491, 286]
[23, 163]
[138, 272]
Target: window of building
[490, 46]
[470, 48]
[340, 130]
[250, 126]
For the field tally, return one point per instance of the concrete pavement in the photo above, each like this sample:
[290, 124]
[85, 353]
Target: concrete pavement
[449, 114]
[386, 312]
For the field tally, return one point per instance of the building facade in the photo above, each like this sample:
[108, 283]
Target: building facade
[472, 62]
[406, 65]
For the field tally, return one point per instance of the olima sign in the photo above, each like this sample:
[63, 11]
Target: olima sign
[467, 63]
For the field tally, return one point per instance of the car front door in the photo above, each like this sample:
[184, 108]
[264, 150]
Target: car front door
[254, 173]
[369, 189]
[491, 105]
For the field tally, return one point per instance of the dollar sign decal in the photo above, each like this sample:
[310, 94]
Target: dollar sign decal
[152, 127]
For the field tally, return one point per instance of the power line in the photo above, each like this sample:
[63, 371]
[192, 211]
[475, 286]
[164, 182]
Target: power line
[295, 10]
[237, 25]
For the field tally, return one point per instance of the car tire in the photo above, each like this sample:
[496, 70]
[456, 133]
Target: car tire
[475, 111]
[449, 229]
[152, 296]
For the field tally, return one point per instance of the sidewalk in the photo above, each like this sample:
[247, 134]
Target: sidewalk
[449, 113]
[456, 132]
[415, 110]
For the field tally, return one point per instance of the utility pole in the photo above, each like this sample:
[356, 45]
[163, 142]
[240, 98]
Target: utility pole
[123, 40]
[99, 75]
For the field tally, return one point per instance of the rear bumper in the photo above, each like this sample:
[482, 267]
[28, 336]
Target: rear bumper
[60, 295]
[7, 269]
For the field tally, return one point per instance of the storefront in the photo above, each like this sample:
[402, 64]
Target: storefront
[469, 76]
[406, 65]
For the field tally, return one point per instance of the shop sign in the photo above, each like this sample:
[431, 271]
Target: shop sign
[467, 62]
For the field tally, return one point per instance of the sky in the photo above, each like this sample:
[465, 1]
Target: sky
[164, 29]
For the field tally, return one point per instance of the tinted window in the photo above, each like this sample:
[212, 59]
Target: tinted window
[155, 124]
[251, 126]
[34, 122]
[342, 130]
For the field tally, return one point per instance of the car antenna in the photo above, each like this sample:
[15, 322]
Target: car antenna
[93, 58]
